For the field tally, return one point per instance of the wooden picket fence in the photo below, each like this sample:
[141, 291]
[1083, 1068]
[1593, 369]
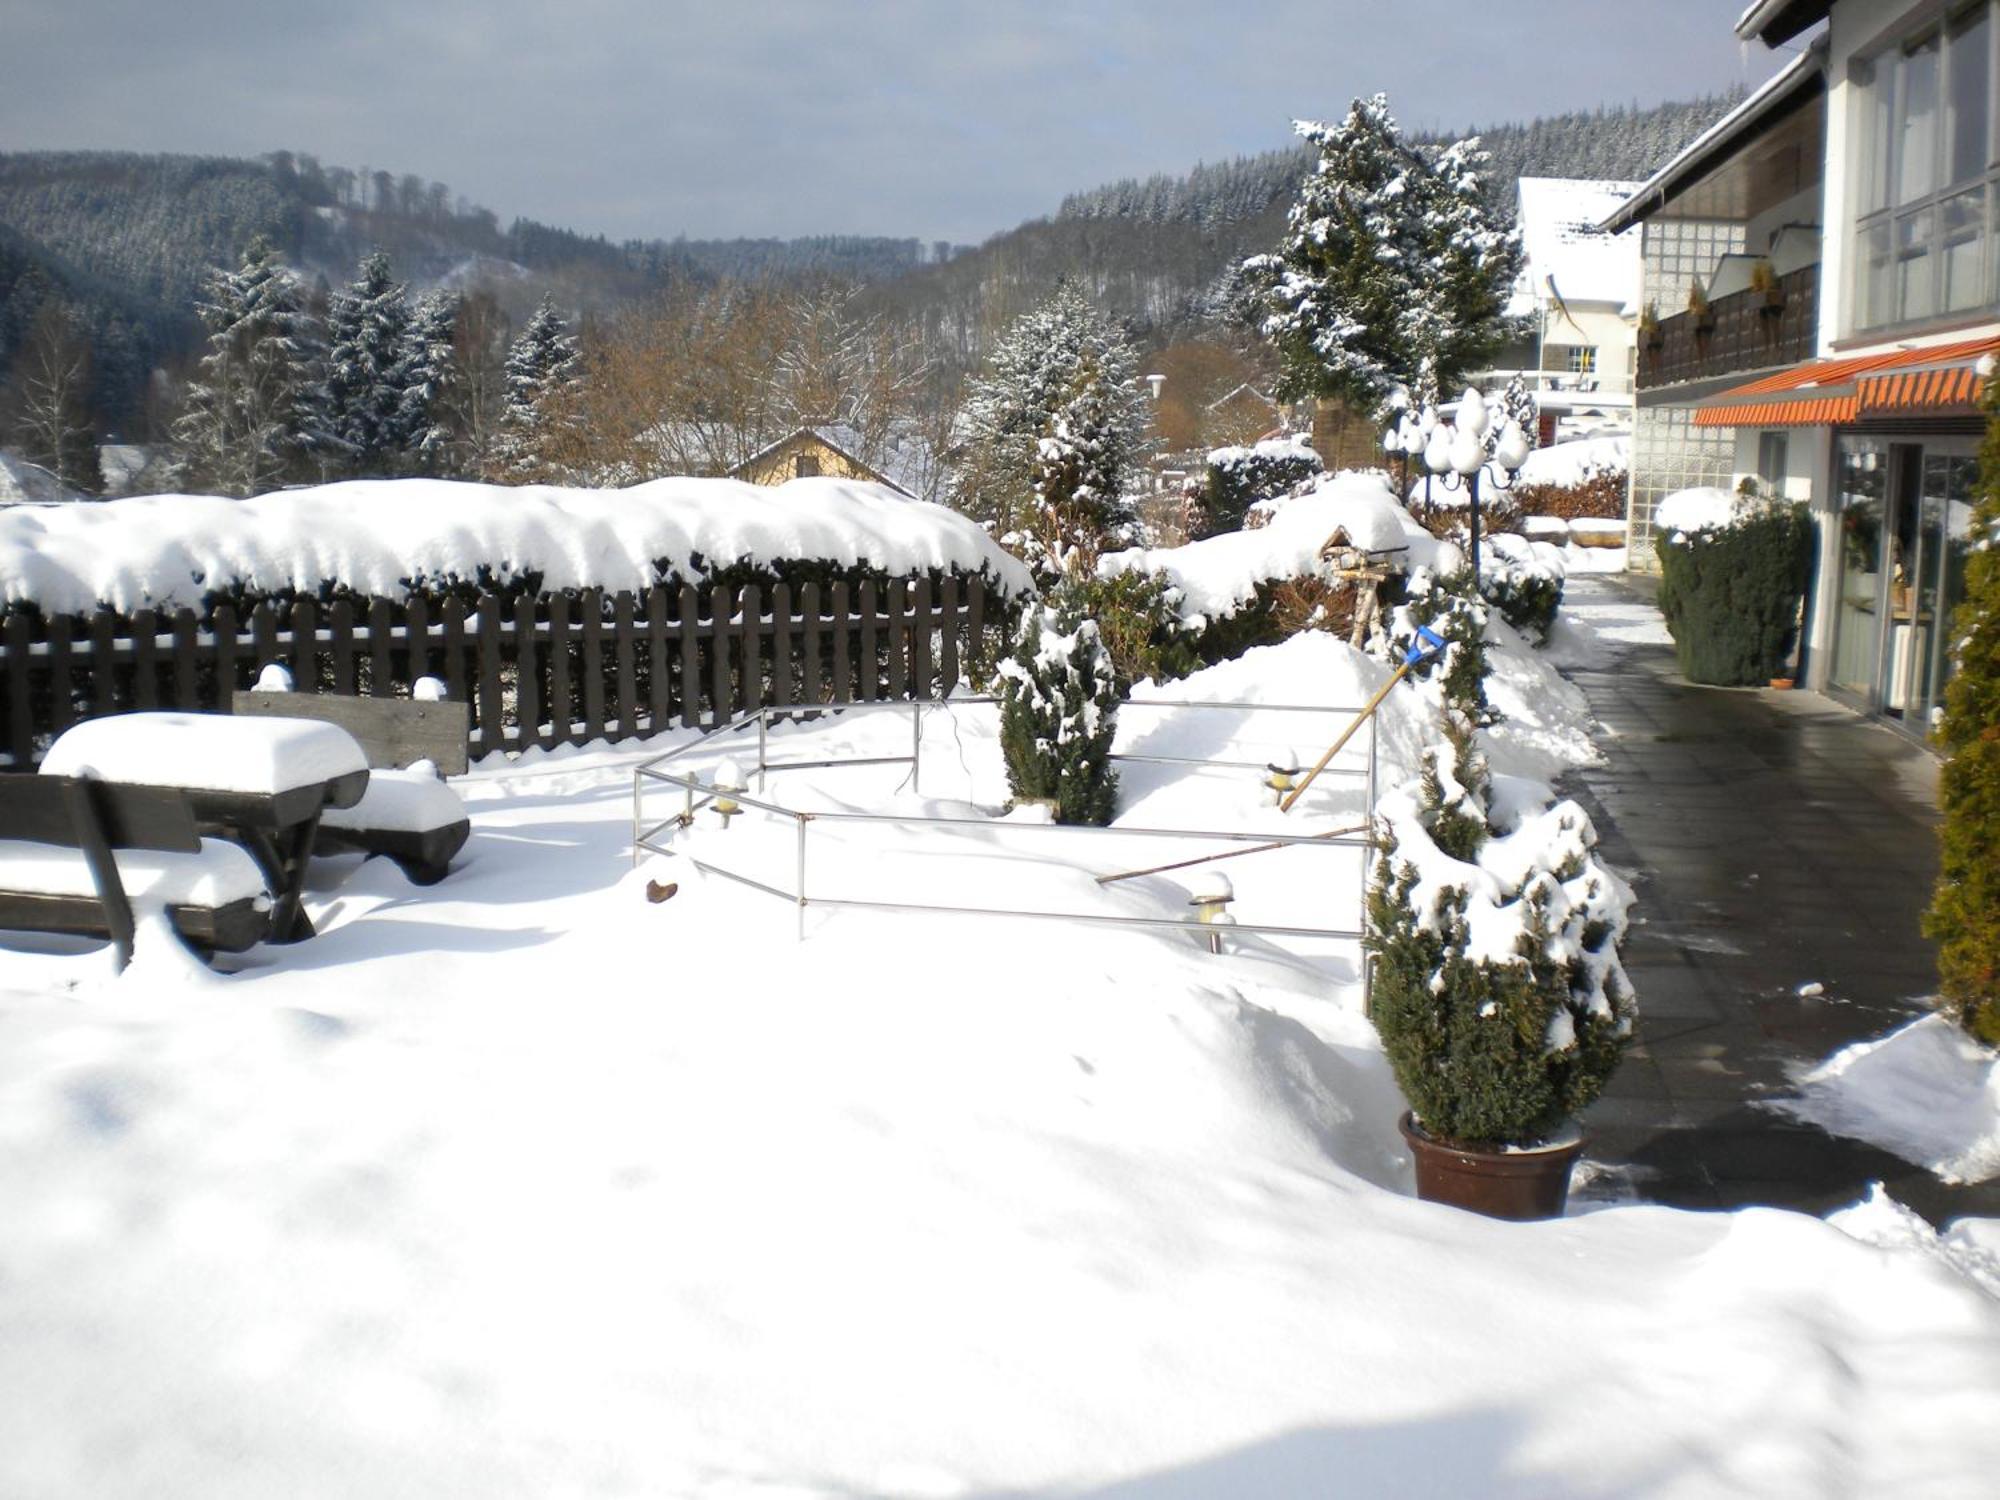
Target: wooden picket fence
[546, 670]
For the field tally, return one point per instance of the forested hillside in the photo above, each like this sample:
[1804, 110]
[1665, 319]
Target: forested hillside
[124, 241]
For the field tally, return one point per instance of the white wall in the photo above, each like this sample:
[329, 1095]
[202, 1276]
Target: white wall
[1800, 465]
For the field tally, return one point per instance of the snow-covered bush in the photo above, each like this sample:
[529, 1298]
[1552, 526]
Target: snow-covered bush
[1449, 607]
[1498, 992]
[1238, 478]
[1078, 511]
[1732, 576]
[1965, 913]
[1524, 581]
[1058, 711]
[1139, 621]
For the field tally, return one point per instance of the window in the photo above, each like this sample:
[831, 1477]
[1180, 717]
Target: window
[1773, 449]
[1582, 359]
[805, 466]
[1924, 183]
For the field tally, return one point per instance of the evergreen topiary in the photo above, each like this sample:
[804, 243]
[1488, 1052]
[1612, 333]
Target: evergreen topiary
[1730, 594]
[1058, 711]
[1139, 622]
[1237, 478]
[1498, 992]
[1965, 913]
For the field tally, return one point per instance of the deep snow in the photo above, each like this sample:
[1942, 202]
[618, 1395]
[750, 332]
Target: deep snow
[525, 1185]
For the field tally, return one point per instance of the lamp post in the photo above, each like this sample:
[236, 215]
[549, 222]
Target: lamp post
[1461, 450]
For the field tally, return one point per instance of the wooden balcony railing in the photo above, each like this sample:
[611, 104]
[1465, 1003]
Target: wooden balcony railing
[1744, 331]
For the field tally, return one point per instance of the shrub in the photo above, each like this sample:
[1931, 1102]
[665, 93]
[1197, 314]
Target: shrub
[1447, 513]
[1524, 582]
[1494, 1042]
[1237, 478]
[1598, 496]
[1731, 593]
[1451, 609]
[1139, 622]
[1965, 913]
[1058, 711]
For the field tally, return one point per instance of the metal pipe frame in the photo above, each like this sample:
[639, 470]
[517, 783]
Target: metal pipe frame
[698, 795]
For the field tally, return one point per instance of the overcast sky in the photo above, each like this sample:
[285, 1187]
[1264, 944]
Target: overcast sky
[942, 119]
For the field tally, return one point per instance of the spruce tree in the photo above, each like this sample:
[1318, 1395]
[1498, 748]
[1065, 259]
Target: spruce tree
[542, 369]
[1033, 371]
[1965, 912]
[424, 379]
[1078, 510]
[368, 328]
[1391, 271]
[240, 430]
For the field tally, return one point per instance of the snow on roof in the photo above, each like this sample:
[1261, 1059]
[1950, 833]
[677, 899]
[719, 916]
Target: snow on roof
[375, 536]
[1559, 231]
[902, 464]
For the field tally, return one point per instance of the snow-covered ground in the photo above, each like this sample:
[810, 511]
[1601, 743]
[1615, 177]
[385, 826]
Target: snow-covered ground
[523, 1184]
[1927, 1092]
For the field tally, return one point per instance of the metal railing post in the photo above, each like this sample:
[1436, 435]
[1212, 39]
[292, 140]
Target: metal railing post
[916, 748]
[803, 820]
[763, 731]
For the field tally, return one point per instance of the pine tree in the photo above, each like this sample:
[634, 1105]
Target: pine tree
[240, 430]
[424, 377]
[368, 328]
[541, 375]
[1391, 271]
[1965, 913]
[1033, 371]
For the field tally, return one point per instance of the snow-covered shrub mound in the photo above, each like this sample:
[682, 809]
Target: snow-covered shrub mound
[391, 537]
[1565, 464]
[1524, 581]
[1585, 480]
[1239, 477]
[1701, 509]
[1499, 994]
[1218, 577]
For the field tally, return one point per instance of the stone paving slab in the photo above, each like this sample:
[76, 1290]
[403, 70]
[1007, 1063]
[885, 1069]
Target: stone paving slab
[1774, 840]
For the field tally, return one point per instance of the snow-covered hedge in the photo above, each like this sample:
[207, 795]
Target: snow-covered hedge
[396, 537]
[1733, 573]
[1524, 581]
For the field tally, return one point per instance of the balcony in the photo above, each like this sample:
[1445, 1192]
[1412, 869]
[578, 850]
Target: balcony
[1745, 331]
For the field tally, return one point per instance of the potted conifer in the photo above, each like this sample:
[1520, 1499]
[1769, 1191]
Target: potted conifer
[1498, 991]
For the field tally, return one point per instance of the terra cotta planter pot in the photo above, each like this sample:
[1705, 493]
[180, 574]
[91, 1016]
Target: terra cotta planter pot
[1523, 1185]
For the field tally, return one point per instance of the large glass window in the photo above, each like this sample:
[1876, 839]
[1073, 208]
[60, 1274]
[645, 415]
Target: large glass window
[1924, 117]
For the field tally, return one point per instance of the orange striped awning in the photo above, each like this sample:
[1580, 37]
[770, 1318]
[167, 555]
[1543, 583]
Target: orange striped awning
[1824, 392]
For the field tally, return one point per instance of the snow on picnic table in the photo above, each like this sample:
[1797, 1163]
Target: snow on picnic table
[524, 1185]
[375, 536]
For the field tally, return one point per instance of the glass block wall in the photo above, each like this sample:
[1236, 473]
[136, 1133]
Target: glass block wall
[1676, 253]
[1670, 453]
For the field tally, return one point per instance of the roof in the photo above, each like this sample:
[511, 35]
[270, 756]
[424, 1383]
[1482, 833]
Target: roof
[1777, 21]
[1820, 392]
[845, 441]
[1563, 241]
[1803, 78]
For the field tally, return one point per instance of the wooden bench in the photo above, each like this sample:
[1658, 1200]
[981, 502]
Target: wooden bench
[412, 819]
[40, 893]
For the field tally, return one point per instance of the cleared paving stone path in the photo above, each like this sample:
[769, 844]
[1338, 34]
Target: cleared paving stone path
[1775, 841]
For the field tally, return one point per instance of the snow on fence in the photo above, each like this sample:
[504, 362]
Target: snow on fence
[550, 669]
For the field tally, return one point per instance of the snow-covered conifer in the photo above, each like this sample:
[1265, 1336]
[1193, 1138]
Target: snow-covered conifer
[424, 377]
[1078, 510]
[1033, 371]
[542, 373]
[368, 327]
[239, 430]
[1058, 711]
[1391, 271]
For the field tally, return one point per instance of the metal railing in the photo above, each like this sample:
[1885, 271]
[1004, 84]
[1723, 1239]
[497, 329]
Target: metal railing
[657, 835]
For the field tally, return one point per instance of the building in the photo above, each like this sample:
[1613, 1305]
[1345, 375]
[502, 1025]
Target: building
[1844, 221]
[810, 452]
[1578, 298]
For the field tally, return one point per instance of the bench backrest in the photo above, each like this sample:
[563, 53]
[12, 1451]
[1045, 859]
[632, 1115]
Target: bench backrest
[392, 732]
[45, 810]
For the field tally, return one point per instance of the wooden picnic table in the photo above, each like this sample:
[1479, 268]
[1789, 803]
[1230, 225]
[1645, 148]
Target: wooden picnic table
[261, 783]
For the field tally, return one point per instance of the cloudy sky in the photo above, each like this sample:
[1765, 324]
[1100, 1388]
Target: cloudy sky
[933, 118]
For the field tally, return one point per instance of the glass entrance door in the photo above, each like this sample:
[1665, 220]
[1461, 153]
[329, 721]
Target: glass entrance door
[1905, 524]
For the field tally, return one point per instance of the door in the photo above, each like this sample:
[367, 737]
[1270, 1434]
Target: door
[1864, 472]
